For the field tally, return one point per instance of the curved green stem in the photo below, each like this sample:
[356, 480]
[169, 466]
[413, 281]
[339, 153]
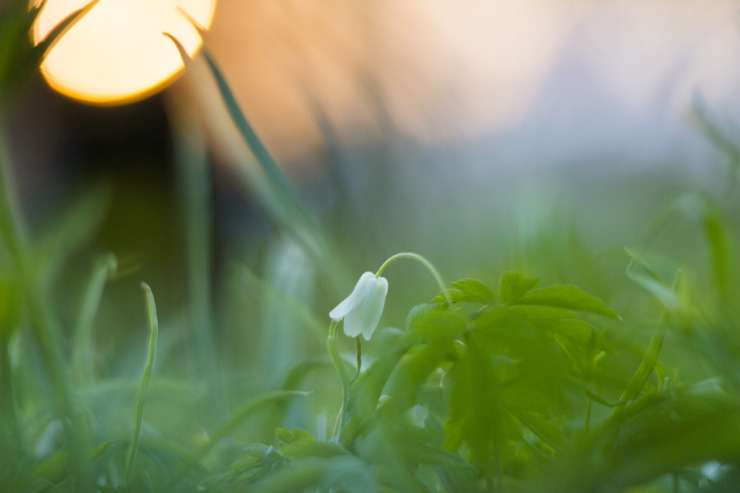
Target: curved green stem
[358, 340]
[331, 344]
[425, 263]
[151, 356]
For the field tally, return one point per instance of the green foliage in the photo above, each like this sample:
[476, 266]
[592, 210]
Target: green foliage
[514, 387]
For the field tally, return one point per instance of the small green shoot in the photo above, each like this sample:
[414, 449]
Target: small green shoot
[141, 395]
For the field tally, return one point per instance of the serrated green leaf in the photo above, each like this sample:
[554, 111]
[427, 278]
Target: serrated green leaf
[476, 418]
[468, 291]
[568, 297]
[431, 323]
[289, 435]
[577, 331]
[257, 460]
[513, 285]
[456, 296]
[544, 317]
[411, 372]
[499, 320]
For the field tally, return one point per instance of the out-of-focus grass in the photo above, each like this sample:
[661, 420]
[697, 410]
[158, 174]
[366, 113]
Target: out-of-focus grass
[519, 385]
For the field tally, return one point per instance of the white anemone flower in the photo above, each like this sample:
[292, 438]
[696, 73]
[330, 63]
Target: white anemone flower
[361, 310]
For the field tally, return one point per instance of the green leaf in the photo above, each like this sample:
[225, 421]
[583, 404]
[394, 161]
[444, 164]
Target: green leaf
[544, 317]
[238, 417]
[411, 372]
[579, 341]
[568, 297]
[513, 285]
[433, 323]
[634, 388]
[468, 291]
[289, 435]
[365, 392]
[718, 240]
[305, 447]
[476, 420]
[257, 461]
[577, 331]
[545, 429]
[650, 281]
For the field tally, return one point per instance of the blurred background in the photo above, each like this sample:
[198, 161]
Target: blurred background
[484, 134]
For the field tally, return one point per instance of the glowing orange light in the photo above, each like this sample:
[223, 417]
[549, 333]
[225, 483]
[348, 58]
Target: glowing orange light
[117, 53]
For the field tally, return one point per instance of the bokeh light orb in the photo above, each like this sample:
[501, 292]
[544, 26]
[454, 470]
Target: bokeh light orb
[117, 53]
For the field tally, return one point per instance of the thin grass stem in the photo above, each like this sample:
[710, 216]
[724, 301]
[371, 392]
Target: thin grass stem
[46, 332]
[336, 358]
[151, 356]
[83, 338]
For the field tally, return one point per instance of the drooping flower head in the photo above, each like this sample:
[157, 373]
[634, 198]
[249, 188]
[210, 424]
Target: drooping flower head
[361, 310]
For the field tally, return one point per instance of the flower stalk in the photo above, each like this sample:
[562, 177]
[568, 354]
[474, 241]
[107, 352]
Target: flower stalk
[360, 313]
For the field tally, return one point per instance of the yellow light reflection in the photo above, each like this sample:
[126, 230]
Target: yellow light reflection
[117, 53]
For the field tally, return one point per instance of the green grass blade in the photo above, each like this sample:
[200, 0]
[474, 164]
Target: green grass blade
[153, 333]
[83, 345]
[277, 194]
[669, 299]
[286, 196]
[39, 52]
[647, 365]
[194, 187]
[718, 242]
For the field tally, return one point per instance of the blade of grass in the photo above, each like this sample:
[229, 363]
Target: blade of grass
[281, 200]
[45, 326]
[11, 437]
[19, 59]
[42, 49]
[83, 343]
[647, 365]
[151, 356]
[194, 184]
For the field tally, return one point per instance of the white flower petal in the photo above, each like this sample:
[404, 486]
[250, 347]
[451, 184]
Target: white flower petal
[361, 310]
[353, 322]
[356, 296]
[372, 308]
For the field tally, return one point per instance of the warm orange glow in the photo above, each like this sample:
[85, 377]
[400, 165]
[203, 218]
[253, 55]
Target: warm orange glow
[117, 52]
